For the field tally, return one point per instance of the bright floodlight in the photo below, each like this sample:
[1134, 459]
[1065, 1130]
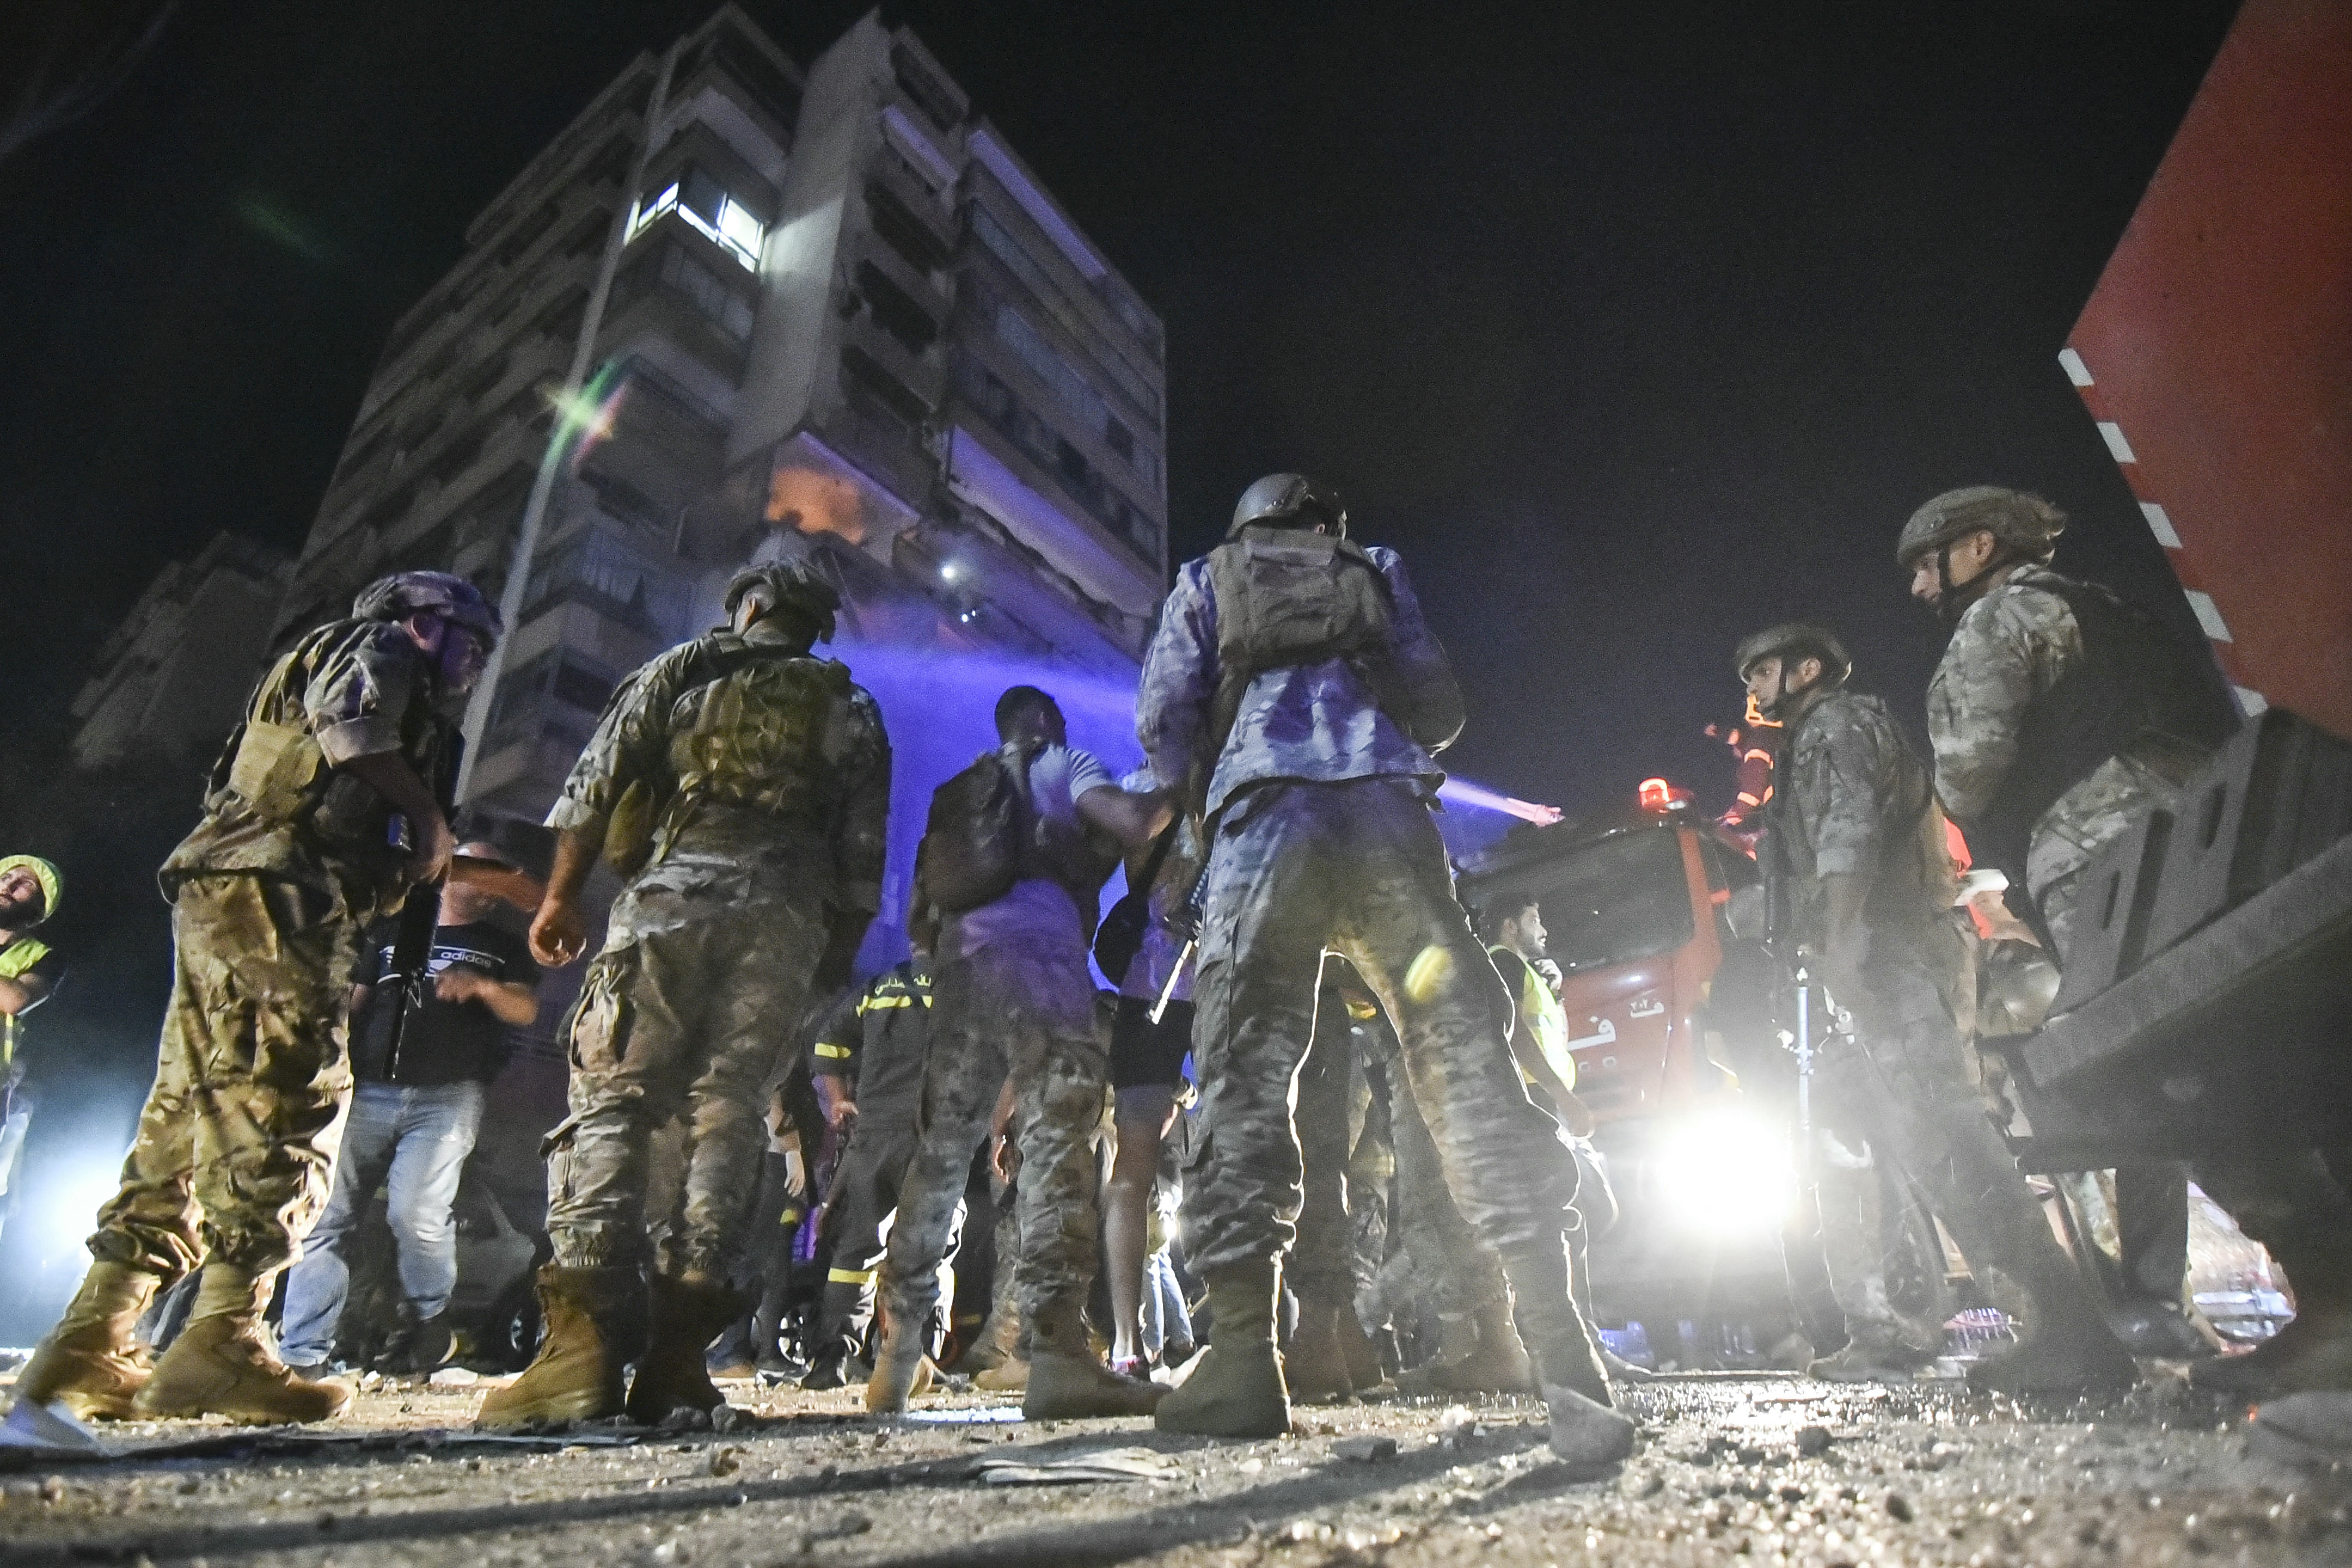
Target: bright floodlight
[1726, 1173]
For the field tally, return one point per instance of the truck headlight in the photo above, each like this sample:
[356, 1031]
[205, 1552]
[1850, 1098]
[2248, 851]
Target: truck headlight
[1725, 1174]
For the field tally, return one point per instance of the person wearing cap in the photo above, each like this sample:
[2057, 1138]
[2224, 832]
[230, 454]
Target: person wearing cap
[326, 807]
[414, 1113]
[30, 970]
[2061, 716]
[742, 785]
[1296, 694]
[1857, 832]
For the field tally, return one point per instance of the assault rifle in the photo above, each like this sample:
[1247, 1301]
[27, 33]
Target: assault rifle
[412, 943]
[1194, 903]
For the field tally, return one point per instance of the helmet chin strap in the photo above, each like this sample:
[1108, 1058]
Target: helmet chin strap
[1952, 600]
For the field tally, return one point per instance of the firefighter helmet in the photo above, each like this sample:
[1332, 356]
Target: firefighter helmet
[2022, 522]
[1801, 639]
[1289, 500]
[796, 584]
[443, 594]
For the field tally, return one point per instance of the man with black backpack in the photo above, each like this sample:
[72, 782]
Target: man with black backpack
[1296, 694]
[1015, 854]
[742, 786]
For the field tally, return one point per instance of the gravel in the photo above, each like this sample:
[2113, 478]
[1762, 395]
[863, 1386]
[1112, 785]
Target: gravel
[1762, 1471]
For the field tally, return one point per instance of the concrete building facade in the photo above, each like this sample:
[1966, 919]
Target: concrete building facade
[167, 685]
[738, 311]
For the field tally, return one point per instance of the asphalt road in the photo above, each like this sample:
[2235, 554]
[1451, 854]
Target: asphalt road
[1744, 1470]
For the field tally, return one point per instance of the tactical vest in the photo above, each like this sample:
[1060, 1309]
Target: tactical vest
[2133, 680]
[278, 771]
[763, 736]
[1288, 597]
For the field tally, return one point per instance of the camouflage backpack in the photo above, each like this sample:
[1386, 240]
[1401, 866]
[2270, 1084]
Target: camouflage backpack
[759, 730]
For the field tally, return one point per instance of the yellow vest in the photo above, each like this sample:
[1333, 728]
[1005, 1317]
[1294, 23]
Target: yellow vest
[1546, 1018]
[15, 959]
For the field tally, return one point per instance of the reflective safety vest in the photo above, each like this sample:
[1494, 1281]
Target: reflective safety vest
[15, 959]
[1544, 1017]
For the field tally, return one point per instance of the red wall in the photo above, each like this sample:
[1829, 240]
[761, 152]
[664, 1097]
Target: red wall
[2219, 343]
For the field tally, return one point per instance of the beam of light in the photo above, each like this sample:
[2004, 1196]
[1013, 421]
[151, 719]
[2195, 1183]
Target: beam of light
[1460, 792]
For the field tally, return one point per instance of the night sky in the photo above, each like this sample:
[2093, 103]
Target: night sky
[1634, 327]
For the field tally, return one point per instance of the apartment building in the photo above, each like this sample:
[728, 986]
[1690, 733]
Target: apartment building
[739, 311]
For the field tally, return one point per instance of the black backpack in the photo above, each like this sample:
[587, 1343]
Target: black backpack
[973, 839]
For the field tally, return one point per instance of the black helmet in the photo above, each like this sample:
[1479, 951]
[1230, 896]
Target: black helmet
[1289, 500]
[796, 584]
[2025, 524]
[1801, 639]
[443, 594]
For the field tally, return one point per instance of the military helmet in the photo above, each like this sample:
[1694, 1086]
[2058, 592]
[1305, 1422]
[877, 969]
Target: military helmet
[1801, 639]
[1284, 501]
[797, 583]
[443, 594]
[2028, 525]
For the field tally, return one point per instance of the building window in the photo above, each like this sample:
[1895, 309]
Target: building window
[558, 696]
[713, 295]
[1053, 454]
[896, 312]
[596, 567]
[999, 242]
[696, 196]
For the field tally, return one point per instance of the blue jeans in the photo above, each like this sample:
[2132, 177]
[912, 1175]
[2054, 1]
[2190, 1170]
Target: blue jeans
[416, 1141]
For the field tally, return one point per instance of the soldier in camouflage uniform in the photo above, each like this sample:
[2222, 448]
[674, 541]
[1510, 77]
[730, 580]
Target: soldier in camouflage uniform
[765, 774]
[1855, 827]
[270, 893]
[2060, 716]
[1295, 689]
[1011, 998]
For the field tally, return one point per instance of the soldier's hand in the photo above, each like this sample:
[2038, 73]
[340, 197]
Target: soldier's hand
[435, 846]
[841, 1115]
[558, 931]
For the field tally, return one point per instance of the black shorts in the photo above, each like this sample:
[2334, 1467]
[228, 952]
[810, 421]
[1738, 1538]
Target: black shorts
[1143, 1054]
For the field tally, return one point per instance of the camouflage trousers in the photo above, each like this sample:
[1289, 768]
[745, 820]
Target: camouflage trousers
[1297, 870]
[1027, 1012]
[689, 1020]
[1923, 1106]
[1864, 1197]
[236, 1151]
[1321, 1266]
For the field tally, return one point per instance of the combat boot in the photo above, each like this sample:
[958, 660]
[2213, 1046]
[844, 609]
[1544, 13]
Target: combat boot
[1869, 1358]
[1010, 1376]
[92, 1362]
[1314, 1365]
[222, 1363]
[901, 1370]
[1237, 1389]
[1065, 1387]
[2065, 1346]
[673, 1375]
[993, 1346]
[1497, 1362]
[1067, 1383]
[576, 1375]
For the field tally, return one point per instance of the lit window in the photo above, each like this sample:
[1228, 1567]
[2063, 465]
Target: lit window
[717, 217]
[641, 217]
[739, 231]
